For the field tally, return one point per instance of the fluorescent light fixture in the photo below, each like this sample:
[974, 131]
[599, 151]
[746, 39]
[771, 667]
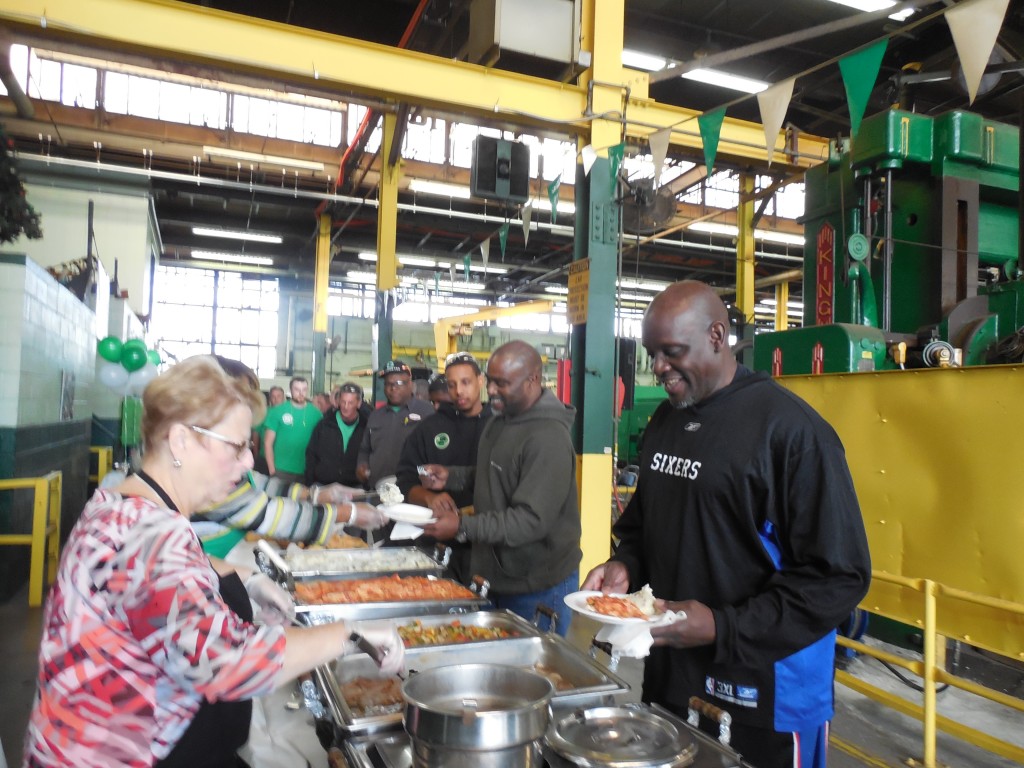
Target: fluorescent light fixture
[725, 80]
[559, 289]
[877, 5]
[416, 261]
[367, 256]
[729, 230]
[439, 188]
[789, 304]
[236, 234]
[258, 159]
[234, 258]
[487, 270]
[784, 238]
[642, 285]
[645, 61]
[370, 278]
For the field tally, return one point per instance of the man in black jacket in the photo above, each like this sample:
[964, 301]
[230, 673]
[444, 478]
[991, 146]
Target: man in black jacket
[745, 518]
[449, 437]
[334, 445]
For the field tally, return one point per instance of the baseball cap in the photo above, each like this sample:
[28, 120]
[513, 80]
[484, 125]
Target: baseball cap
[462, 358]
[394, 366]
[437, 383]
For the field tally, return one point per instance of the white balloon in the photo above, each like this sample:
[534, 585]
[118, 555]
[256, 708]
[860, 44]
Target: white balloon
[138, 380]
[112, 375]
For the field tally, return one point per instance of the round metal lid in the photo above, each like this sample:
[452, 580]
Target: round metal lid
[620, 737]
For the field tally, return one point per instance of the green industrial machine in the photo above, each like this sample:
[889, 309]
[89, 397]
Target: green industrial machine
[911, 252]
[633, 422]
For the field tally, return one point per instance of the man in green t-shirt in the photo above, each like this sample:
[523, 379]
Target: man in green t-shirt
[287, 430]
[259, 446]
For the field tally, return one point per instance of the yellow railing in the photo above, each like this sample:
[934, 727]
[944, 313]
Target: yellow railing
[45, 536]
[104, 461]
[930, 670]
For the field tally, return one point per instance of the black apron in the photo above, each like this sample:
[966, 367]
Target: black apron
[219, 728]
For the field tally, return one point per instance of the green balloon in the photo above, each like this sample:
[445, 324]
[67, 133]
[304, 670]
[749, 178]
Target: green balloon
[132, 357]
[109, 349]
[154, 357]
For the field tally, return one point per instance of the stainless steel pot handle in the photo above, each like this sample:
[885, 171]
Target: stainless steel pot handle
[698, 707]
[550, 613]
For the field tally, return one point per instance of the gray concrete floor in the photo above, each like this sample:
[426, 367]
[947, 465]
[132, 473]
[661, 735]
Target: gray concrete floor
[864, 733]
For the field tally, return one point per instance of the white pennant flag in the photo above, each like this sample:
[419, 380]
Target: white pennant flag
[773, 103]
[589, 158]
[975, 26]
[485, 251]
[527, 215]
[659, 150]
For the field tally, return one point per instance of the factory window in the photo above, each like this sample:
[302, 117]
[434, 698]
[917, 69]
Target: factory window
[200, 311]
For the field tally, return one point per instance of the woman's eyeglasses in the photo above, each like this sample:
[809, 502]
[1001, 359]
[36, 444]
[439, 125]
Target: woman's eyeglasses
[240, 448]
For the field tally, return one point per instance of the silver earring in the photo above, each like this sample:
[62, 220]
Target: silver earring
[176, 464]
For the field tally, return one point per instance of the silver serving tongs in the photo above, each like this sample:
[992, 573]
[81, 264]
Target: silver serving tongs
[266, 554]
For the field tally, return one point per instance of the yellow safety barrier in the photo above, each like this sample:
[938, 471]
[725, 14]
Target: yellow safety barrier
[930, 670]
[45, 536]
[104, 461]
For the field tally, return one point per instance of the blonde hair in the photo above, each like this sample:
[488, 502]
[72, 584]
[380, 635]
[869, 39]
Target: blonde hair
[197, 391]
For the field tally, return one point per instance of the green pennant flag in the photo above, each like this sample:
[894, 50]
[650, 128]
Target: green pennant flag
[615, 160]
[465, 267]
[553, 195]
[710, 124]
[859, 71]
[503, 238]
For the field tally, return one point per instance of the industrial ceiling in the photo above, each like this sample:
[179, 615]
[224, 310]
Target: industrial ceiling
[919, 72]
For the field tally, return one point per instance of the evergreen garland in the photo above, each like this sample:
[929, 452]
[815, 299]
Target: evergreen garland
[17, 217]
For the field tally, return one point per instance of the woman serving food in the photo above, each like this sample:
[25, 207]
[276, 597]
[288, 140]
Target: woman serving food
[142, 638]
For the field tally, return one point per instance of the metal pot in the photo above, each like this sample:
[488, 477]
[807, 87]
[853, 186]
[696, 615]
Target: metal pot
[477, 714]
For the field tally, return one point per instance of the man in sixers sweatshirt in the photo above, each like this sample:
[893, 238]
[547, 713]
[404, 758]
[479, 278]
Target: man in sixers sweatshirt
[744, 517]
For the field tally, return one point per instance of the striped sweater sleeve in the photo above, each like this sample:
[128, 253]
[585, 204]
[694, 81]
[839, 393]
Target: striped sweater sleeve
[272, 508]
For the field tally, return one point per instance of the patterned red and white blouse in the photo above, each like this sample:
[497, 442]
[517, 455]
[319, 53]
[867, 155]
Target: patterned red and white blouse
[135, 636]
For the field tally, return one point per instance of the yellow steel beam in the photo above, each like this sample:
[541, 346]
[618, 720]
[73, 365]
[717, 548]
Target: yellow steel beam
[287, 54]
[387, 210]
[745, 249]
[322, 273]
[446, 329]
[781, 306]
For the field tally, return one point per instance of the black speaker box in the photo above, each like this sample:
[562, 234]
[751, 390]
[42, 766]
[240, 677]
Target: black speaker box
[500, 170]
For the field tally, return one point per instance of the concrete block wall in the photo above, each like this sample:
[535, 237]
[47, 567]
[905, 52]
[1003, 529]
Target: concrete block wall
[48, 340]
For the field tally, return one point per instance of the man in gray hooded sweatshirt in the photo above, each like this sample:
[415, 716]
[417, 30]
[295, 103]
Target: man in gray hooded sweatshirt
[525, 530]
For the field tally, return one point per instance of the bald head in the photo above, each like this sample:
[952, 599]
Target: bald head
[514, 378]
[686, 333]
[692, 299]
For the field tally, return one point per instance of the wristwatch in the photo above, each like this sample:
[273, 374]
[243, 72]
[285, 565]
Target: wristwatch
[461, 536]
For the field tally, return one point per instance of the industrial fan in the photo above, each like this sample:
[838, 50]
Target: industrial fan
[646, 209]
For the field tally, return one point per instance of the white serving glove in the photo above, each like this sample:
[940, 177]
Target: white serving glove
[275, 605]
[361, 515]
[383, 635]
[335, 493]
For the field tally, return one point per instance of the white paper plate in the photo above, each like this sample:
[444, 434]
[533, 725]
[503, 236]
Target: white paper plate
[578, 602]
[409, 513]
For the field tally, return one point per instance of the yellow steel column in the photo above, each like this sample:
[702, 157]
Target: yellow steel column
[602, 35]
[781, 306]
[387, 211]
[929, 672]
[745, 249]
[320, 277]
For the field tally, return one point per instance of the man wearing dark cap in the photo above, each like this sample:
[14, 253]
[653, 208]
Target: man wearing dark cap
[449, 437]
[437, 390]
[389, 426]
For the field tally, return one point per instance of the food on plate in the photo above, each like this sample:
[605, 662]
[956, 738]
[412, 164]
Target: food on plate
[385, 589]
[390, 494]
[618, 607]
[367, 696]
[635, 605]
[416, 634]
